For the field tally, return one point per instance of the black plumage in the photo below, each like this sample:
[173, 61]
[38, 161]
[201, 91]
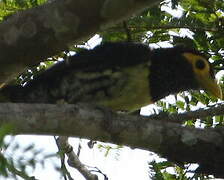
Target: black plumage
[122, 76]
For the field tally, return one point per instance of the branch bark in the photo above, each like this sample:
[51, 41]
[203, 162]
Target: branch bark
[156, 133]
[32, 35]
[73, 160]
[144, 28]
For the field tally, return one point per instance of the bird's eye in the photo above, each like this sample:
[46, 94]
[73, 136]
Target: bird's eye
[200, 64]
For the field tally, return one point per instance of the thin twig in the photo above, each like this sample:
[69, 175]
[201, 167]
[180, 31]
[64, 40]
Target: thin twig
[19, 173]
[128, 32]
[97, 170]
[79, 149]
[154, 27]
[215, 110]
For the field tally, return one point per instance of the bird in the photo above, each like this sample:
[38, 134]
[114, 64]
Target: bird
[122, 76]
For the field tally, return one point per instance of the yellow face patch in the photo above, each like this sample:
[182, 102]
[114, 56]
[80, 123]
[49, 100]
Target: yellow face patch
[201, 69]
[193, 59]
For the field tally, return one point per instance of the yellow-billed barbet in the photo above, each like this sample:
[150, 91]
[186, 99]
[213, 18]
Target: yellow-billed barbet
[121, 76]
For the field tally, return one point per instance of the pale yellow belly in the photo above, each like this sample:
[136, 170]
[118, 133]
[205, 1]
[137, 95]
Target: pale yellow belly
[135, 93]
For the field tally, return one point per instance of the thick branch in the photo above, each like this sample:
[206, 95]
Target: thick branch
[171, 140]
[29, 36]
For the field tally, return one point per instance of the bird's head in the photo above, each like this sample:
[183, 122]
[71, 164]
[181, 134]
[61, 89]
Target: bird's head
[203, 73]
[179, 69]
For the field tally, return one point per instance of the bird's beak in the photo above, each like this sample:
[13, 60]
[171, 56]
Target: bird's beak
[211, 85]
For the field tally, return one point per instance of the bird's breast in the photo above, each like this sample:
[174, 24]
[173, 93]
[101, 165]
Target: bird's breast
[121, 89]
[130, 90]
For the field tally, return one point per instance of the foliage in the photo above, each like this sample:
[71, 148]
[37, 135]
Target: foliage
[201, 26]
[8, 7]
[106, 148]
[159, 171]
[12, 160]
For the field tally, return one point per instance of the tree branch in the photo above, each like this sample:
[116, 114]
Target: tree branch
[35, 34]
[73, 159]
[127, 31]
[144, 28]
[11, 168]
[63, 168]
[155, 133]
